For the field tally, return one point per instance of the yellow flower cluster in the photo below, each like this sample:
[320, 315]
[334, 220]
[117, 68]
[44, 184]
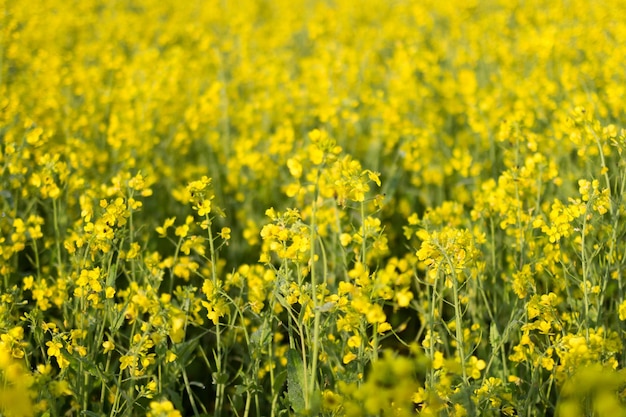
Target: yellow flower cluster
[16, 393]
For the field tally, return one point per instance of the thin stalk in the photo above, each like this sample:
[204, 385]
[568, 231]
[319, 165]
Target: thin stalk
[605, 171]
[307, 394]
[219, 400]
[431, 324]
[131, 237]
[583, 257]
[316, 310]
[612, 248]
[57, 236]
[459, 326]
[363, 243]
[37, 265]
[103, 387]
[270, 355]
[246, 411]
[176, 252]
[458, 315]
[500, 346]
[118, 391]
[192, 401]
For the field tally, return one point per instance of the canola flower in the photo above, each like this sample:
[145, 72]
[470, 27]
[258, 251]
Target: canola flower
[312, 208]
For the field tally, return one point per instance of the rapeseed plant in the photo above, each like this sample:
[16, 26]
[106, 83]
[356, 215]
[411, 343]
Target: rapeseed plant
[312, 208]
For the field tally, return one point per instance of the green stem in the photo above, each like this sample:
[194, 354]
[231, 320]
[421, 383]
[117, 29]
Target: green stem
[459, 325]
[246, 411]
[363, 243]
[131, 237]
[310, 389]
[219, 400]
[605, 170]
[192, 401]
[583, 257]
[458, 314]
[57, 236]
[431, 325]
[103, 386]
[316, 310]
[176, 252]
[118, 392]
[305, 389]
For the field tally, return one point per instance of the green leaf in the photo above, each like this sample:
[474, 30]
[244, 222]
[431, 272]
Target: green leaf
[220, 378]
[295, 381]
[240, 389]
[174, 397]
[117, 322]
[279, 381]
[494, 337]
[316, 403]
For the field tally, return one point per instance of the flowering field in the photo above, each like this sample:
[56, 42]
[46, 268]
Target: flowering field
[299, 207]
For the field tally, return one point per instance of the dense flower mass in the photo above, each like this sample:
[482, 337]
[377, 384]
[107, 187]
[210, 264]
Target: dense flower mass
[339, 208]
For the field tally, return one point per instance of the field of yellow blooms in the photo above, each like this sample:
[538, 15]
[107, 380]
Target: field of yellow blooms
[312, 207]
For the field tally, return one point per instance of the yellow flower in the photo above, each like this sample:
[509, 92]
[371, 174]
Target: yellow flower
[133, 251]
[225, 233]
[403, 297]
[170, 356]
[203, 207]
[16, 393]
[438, 360]
[348, 357]
[375, 314]
[384, 327]
[373, 176]
[162, 230]
[110, 292]
[331, 401]
[162, 409]
[137, 182]
[354, 341]
[54, 348]
[108, 346]
[127, 361]
[622, 310]
[474, 367]
[295, 167]
[182, 230]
